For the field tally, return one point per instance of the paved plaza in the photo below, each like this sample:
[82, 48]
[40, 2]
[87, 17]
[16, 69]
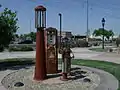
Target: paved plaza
[80, 53]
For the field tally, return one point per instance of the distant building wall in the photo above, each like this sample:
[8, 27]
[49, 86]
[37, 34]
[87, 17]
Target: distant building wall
[65, 34]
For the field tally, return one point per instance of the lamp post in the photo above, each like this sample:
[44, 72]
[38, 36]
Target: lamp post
[60, 27]
[60, 15]
[40, 24]
[103, 24]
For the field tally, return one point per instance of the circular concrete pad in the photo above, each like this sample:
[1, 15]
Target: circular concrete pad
[99, 80]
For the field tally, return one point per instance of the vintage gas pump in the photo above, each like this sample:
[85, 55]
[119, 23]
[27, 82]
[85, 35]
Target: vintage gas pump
[66, 59]
[40, 24]
[52, 54]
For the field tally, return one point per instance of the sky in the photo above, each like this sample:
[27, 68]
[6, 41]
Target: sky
[73, 12]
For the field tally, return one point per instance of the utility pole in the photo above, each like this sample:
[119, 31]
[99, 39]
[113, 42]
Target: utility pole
[30, 26]
[87, 6]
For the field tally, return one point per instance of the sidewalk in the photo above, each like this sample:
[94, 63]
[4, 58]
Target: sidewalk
[80, 53]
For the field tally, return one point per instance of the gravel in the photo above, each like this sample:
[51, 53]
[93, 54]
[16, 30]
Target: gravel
[26, 77]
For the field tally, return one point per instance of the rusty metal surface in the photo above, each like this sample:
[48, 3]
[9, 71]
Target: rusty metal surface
[40, 66]
[51, 61]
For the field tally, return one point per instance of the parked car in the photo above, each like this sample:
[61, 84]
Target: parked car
[26, 42]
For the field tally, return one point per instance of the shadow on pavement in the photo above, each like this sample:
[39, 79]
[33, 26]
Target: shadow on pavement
[15, 65]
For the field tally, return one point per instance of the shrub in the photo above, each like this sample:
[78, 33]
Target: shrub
[1, 48]
[13, 49]
[26, 48]
[83, 43]
[118, 42]
[89, 44]
[110, 50]
[22, 48]
[96, 44]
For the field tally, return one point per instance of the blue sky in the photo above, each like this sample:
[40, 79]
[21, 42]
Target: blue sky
[73, 12]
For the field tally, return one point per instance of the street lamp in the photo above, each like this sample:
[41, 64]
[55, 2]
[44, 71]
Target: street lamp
[0, 5]
[103, 24]
[40, 24]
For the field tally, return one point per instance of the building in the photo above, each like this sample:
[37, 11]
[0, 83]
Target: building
[79, 37]
[65, 34]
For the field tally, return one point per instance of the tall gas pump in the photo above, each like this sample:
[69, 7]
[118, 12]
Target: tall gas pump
[52, 54]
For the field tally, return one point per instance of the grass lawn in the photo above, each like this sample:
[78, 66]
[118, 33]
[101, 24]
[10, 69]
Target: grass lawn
[112, 68]
[98, 49]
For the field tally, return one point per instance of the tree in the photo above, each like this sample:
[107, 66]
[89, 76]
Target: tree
[32, 35]
[8, 27]
[107, 33]
[16, 36]
[21, 36]
[111, 33]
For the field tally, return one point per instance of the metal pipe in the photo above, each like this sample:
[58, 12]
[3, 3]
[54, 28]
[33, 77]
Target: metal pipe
[60, 33]
[60, 27]
[103, 38]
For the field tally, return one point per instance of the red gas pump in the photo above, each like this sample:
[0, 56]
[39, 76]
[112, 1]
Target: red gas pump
[51, 51]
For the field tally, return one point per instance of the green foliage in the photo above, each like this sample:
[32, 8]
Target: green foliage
[118, 42]
[31, 35]
[8, 26]
[97, 32]
[22, 48]
[26, 48]
[16, 35]
[1, 48]
[107, 33]
[82, 43]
